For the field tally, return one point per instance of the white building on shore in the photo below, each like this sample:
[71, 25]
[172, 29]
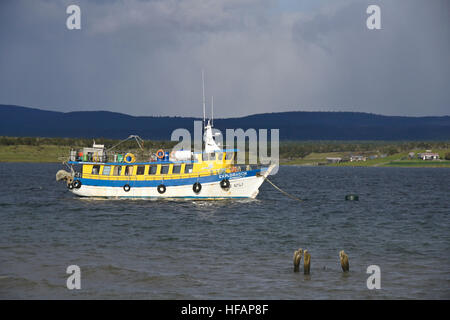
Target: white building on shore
[428, 155]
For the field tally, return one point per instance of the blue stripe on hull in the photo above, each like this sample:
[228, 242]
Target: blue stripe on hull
[168, 182]
[168, 198]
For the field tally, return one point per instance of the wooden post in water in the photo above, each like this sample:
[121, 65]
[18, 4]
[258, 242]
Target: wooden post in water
[344, 261]
[306, 262]
[297, 258]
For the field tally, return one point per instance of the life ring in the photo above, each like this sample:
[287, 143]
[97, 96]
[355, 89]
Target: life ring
[77, 184]
[197, 187]
[225, 183]
[160, 153]
[126, 188]
[161, 188]
[129, 158]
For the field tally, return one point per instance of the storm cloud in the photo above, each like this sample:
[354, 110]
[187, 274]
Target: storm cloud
[145, 57]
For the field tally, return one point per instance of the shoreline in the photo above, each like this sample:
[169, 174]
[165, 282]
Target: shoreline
[51, 153]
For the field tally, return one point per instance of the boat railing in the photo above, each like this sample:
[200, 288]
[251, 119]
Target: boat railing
[79, 155]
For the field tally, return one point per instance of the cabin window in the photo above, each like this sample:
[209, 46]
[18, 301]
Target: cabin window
[129, 170]
[220, 156]
[152, 169]
[188, 168]
[176, 168]
[209, 156]
[117, 170]
[140, 170]
[106, 170]
[164, 169]
[229, 156]
[95, 169]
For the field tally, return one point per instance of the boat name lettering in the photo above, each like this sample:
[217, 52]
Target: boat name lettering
[233, 175]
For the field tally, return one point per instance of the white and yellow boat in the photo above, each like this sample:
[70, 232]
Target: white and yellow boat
[211, 174]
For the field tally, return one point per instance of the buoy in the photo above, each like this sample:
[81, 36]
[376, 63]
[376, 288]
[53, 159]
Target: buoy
[352, 197]
[160, 153]
[297, 258]
[129, 158]
[306, 262]
[344, 261]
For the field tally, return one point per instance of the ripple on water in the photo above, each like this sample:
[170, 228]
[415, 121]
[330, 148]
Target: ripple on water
[231, 249]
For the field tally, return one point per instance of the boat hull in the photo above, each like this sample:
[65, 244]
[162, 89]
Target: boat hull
[242, 185]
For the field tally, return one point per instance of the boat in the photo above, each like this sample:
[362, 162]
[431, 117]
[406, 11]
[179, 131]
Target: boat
[210, 174]
[97, 172]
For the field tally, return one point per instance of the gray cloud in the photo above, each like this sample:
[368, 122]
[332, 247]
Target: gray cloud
[145, 57]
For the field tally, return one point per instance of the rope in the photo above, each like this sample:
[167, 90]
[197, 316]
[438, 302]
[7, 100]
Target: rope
[282, 191]
[137, 138]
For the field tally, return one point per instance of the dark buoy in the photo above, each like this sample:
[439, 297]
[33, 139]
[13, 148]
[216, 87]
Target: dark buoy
[352, 197]
[306, 262]
[344, 261]
[297, 257]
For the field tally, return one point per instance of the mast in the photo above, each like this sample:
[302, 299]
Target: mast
[212, 110]
[204, 104]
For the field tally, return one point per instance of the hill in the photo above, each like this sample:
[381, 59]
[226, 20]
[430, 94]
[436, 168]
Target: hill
[22, 121]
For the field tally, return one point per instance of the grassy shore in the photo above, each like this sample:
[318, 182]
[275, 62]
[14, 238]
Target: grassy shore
[42, 153]
[399, 159]
[59, 153]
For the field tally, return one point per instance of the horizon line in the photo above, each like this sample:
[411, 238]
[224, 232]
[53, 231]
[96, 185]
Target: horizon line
[223, 118]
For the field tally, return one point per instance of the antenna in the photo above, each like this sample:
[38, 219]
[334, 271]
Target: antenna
[204, 106]
[212, 110]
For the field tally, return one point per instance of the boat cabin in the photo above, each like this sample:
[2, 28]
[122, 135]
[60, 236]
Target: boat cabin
[203, 164]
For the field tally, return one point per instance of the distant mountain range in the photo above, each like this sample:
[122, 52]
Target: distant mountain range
[301, 125]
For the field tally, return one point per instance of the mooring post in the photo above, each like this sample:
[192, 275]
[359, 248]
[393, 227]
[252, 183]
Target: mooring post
[343, 257]
[306, 262]
[297, 258]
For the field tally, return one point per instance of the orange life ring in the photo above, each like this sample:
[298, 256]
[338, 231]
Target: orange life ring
[160, 153]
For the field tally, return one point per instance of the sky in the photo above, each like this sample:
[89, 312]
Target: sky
[145, 58]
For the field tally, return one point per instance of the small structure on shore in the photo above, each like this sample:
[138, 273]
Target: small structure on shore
[334, 159]
[358, 158]
[428, 155]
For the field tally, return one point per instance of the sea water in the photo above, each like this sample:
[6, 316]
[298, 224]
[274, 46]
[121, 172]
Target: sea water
[230, 249]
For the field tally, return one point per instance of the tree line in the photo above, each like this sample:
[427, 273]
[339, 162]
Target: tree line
[288, 149]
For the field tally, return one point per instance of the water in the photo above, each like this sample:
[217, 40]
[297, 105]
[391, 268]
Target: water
[230, 249]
